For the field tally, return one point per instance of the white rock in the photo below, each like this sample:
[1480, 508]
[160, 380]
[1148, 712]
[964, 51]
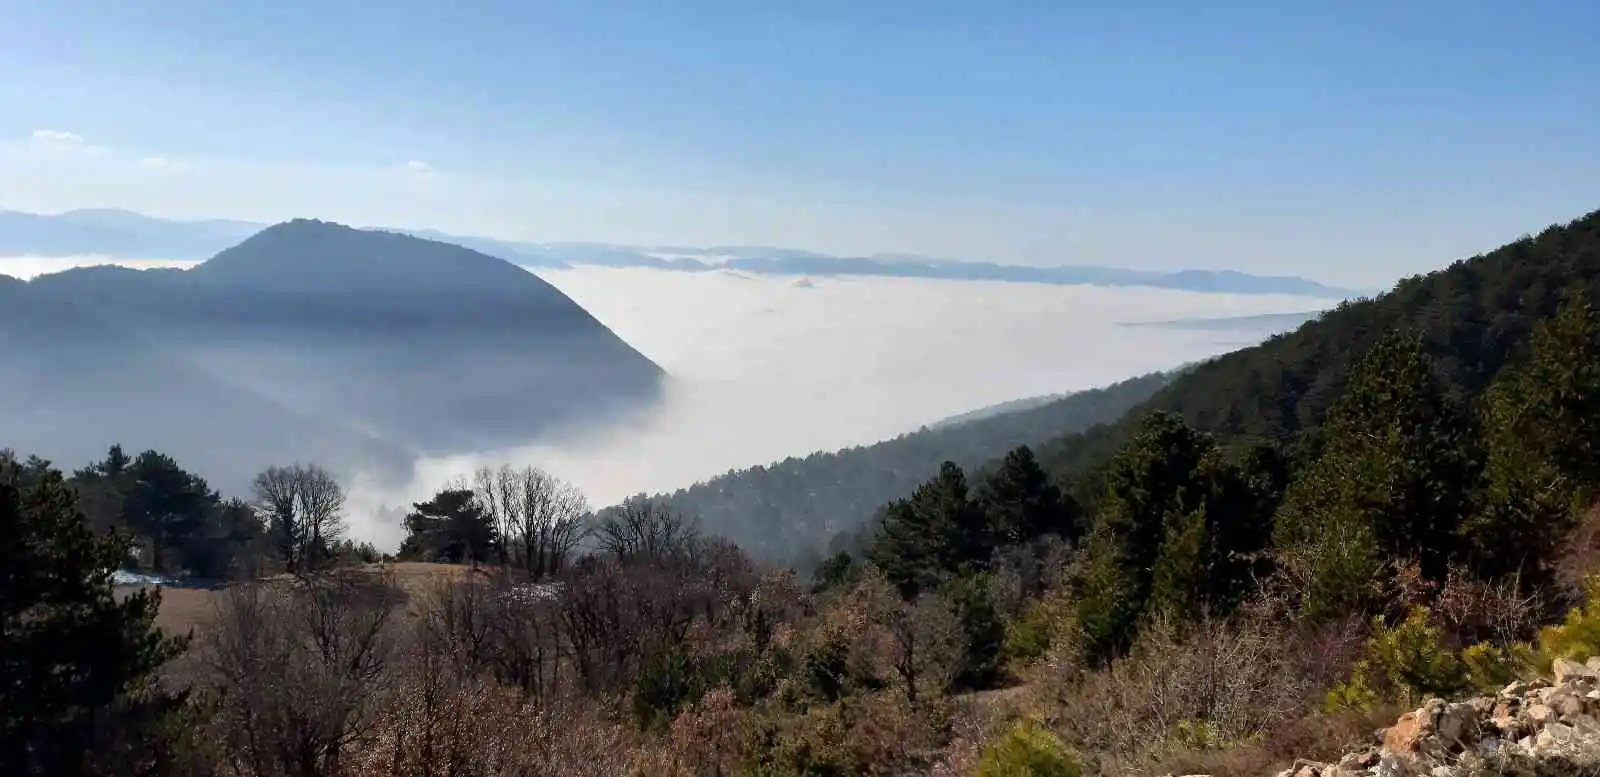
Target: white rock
[1567, 671]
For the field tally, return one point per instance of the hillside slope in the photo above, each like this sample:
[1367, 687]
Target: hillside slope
[424, 346]
[794, 507]
[1472, 316]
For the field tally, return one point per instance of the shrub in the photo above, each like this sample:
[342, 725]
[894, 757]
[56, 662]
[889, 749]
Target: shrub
[1041, 625]
[664, 687]
[1355, 694]
[1026, 749]
[1405, 663]
[1226, 681]
[1489, 667]
[1577, 636]
[1412, 658]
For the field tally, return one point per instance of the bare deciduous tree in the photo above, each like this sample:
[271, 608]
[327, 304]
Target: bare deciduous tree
[300, 673]
[927, 642]
[302, 505]
[539, 516]
[643, 529]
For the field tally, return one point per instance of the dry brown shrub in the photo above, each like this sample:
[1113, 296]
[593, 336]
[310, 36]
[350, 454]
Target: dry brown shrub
[1210, 684]
[294, 673]
[1578, 557]
[1314, 737]
[443, 724]
[706, 739]
[1497, 611]
[888, 735]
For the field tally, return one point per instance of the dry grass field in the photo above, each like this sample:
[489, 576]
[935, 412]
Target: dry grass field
[184, 608]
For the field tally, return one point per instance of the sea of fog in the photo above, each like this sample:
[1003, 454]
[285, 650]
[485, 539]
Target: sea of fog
[765, 367]
[768, 367]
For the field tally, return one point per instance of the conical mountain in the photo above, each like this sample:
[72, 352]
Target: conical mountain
[420, 344]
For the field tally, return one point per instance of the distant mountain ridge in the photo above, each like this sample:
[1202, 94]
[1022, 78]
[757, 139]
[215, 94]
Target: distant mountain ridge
[119, 233]
[367, 346]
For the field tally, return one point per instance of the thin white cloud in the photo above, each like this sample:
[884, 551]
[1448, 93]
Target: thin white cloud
[155, 163]
[419, 168]
[60, 141]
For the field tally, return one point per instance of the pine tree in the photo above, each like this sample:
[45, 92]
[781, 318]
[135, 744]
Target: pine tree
[452, 526]
[1021, 504]
[1541, 419]
[163, 503]
[1157, 477]
[1397, 470]
[983, 632]
[76, 664]
[1180, 581]
[1243, 499]
[937, 532]
[1156, 488]
[1106, 605]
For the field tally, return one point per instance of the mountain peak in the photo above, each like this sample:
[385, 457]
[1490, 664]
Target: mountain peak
[310, 252]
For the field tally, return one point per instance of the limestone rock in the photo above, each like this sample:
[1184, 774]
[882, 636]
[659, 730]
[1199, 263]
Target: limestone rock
[1529, 727]
[1567, 672]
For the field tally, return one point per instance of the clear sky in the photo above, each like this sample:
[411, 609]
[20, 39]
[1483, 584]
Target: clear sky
[1345, 141]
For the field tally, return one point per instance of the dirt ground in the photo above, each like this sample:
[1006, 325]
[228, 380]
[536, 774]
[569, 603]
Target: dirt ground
[187, 608]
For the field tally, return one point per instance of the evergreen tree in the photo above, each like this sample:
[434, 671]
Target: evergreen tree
[1397, 469]
[936, 532]
[1106, 607]
[1239, 511]
[1156, 488]
[1021, 504]
[1212, 556]
[982, 630]
[452, 526]
[76, 664]
[1180, 581]
[163, 503]
[836, 571]
[1542, 419]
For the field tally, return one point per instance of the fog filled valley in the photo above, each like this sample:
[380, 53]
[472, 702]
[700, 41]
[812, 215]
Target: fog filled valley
[1144, 532]
[761, 368]
[633, 389]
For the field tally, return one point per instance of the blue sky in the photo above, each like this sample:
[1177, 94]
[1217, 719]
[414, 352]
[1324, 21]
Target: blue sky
[1351, 142]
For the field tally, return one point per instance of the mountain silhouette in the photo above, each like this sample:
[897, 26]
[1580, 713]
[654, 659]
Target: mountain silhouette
[120, 233]
[364, 344]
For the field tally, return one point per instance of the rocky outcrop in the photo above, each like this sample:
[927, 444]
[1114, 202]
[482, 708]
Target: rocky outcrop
[1533, 727]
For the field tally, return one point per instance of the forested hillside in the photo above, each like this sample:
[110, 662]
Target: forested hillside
[791, 509]
[1471, 317]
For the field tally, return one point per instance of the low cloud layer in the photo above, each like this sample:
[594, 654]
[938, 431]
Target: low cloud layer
[768, 367]
[764, 368]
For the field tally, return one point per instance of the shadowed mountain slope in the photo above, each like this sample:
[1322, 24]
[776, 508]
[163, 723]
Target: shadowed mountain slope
[373, 337]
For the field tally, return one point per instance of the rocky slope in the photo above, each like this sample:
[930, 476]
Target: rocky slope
[1529, 728]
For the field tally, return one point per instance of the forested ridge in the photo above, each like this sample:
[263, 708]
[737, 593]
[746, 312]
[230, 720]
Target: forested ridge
[1471, 317]
[1222, 582]
[790, 510]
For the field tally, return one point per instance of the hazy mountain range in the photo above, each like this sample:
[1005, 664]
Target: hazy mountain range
[306, 340]
[119, 233]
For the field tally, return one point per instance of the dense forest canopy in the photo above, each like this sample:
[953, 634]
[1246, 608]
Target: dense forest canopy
[1472, 318]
